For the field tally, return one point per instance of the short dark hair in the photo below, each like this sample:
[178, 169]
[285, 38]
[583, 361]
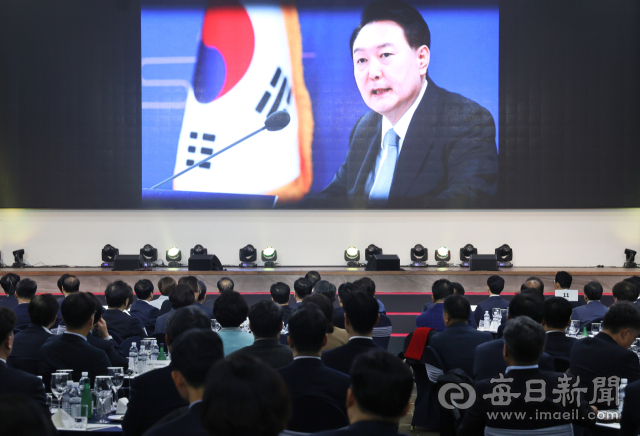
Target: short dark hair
[302, 287]
[457, 307]
[307, 328]
[202, 288]
[26, 289]
[191, 281]
[540, 283]
[557, 312]
[314, 276]
[71, 284]
[325, 288]
[143, 289]
[441, 289]
[225, 284]
[266, 319]
[8, 321]
[366, 285]
[495, 284]
[280, 292]
[244, 396]
[194, 353]
[345, 290]
[166, 285]
[9, 282]
[362, 311]
[593, 290]
[525, 340]
[61, 281]
[184, 319]
[381, 384]
[326, 307]
[77, 309]
[43, 309]
[182, 296]
[458, 289]
[416, 30]
[117, 293]
[534, 294]
[523, 305]
[564, 279]
[623, 291]
[620, 316]
[230, 309]
[636, 281]
[99, 309]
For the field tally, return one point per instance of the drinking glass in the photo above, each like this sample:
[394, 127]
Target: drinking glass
[596, 327]
[80, 414]
[52, 408]
[103, 391]
[215, 326]
[481, 325]
[574, 328]
[117, 378]
[59, 384]
[496, 313]
[504, 313]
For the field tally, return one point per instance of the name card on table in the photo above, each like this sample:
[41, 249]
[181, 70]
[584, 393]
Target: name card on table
[567, 294]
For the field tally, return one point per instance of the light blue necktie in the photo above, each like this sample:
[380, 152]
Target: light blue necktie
[380, 190]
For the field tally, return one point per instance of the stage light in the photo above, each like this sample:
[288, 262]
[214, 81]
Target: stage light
[443, 255]
[248, 256]
[149, 254]
[352, 256]
[370, 251]
[109, 252]
[465, 253]
[269, 256]
[18, 256]
[198, 249]
[631, 257]
[174, 256]
[504, 255]
[419, 255]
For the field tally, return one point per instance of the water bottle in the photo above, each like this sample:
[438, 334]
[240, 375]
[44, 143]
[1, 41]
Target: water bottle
[83, 380]
[74, 395]
[154, 350]
[65, 397]
[133, 357]
[621, 389]
[142, 361]
[487, 320]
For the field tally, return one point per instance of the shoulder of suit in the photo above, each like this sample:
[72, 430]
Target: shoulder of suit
[455, 106]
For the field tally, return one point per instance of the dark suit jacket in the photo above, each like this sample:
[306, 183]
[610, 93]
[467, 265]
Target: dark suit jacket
[165, 308]
[161, 322]
[21, 311]
[69, 351]
[186, 424]
[286, 313]
[601, 356]
[559, 345]
[364, 428]
[338, 317]
[14, 381]
[115, 355]
[342, 358]
[123, 324]
[206, 309]
[427, 306]
[488, 361]
[448, 157]
[152, 396]
[26, 349]
[271, 351]
[456, 346]
[146, 314]
[589, 312]
[630, 422]
[433, 318]
[488, 305]
[9, 301]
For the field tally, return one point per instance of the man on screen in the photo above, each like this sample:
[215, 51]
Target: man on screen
[420, 145]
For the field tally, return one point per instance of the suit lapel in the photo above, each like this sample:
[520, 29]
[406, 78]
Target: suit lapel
[369, 161]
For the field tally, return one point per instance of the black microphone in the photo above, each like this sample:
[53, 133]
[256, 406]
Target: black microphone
[274, 122]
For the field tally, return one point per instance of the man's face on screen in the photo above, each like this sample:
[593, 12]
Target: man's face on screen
[388, 72]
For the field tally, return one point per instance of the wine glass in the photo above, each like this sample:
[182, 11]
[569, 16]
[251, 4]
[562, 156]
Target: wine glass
[215, 325]
[58, 385]
[496, 313]
[117, 379]
[574, 328]
[102, 389]
[596, 327]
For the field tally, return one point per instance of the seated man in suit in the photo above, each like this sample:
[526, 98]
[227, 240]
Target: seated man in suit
[25, 291]
[624, 291]
[281, 293]
[336, 337]
[230, 310]
[142, 308]
[307, 375]
[379, 396]
[607, 354]
[369, 286]
[563, 280]
[192, 356]
[314, 276]
[440, 290]
[165, 286]
[301, 288]
[225, 284]
[533, 392]
[488, 361]
[100, 338]
[557, 317]
[43, 311]
[118, 320]
[158, 384]
[265, 322]
[361, 316]
[456, 345]
[534, 283]
[192, 282]
[181, 296]
[495, 285]
[8, 283]
[71, 349]
[594, 309]
[630, 420]
[344, 290]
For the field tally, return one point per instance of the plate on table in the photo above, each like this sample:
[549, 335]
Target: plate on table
[115, 417]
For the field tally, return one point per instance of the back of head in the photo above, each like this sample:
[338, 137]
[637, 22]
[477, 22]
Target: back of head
[143, 289]
[117, 294]
[522, 305]
[557, 312]
[26, 289]
[184, 319]
[622, 315]
[194, 353]
[564, 279]
[345, 290]
[314, 276]
[441, 289]
[99, 309]
[225, 284]
[302, 287]
[202, 288]
[366, 285]
[77, 309]
[20, 415]
[7, 323]
[61, 280]
[9, 282]
[457, 307]
[71, 284]
[266, 319]
[381, 384]
[191, 281]
[534, 294]
[280, 292]
[458, 289]
[535, 283]
[307, 328]
[623, 291]
[325, 306]
[43, 310]
[182, 296]
[244, 396]
[166, 285]
[635, 280]
[525, 340]
[325, 288]
[593, 291]
[230, 309]
[495, 284]
[362, 312]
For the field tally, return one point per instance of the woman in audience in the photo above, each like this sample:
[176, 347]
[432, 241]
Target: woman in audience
[336, 337]
[230, 310]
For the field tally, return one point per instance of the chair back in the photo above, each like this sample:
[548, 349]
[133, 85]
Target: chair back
[312, 414]
[561, 365]
[126, 344]
[382, 332]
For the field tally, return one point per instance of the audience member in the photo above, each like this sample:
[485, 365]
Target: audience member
[281, 294]
[118, 320]
[60, 283]
[313, 276]
[265, 322]
[70, 285]
[192, 282]
[458, 289]
[20, 415]
[623, 291]
[142, 308]
[535, 283]
[43, 311]
[230, 310]
[8, 283]
[202, 289]
[71, 349]
[440, 290]
[103, 340]
[636, 282]
[25, 291]
[369, 286]
[325, 288]
[457, 343]
[361, 316]
[563, 280]
[301, 288]
[607, 354]
[243, 396]
[630, 419]
[379, 396]
[336, 337]
[192, 356]
[495, 285]
[534, 294]
[165, 286]
[153, 395]
[181, 296]
[344, 290]
[593, 309]
[557, 317]
[225, 284]
[524, 340]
